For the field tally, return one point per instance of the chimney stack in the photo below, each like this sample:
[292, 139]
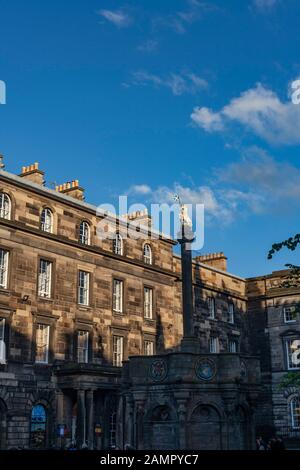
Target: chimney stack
[216, 260]
[139, 218]
[2, 166]
[71, 188]
[32, 173]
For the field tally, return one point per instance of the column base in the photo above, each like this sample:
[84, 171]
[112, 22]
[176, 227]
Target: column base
[190, 345]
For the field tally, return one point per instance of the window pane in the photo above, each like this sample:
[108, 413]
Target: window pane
[289, 314]
[42, 343]
[5, 206]
[82, 346]
[83, 288]
[292, 346]
[232, 346]
[213, 345]
[118, 244]
[149, 348]
[46, 220]
[44, 287]
[231, 313]
[84, 233]
[148, 302]
[211, 307]
[147, 254]
[295, 412]
[38, 427]
[118, 296]
[2, 341]
[4, 254]
[117, 351]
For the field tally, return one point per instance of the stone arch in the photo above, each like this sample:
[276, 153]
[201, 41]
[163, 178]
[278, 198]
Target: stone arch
[3, 425]
[161, 428]
[204, 430]
[41, 435]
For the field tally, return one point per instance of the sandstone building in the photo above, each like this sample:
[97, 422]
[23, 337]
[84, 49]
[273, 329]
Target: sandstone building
[74, 307]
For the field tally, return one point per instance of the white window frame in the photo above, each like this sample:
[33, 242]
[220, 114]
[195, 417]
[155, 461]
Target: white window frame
[118, 245]
[295, 412]
[118, 294]
[231, 313]
[45, 338]
[148, 303]
[289, 352]
[45, 279]
[289, 310]
[213, 345]
[2, 342]
[83, 288]
[47, 220]
[148, 347]
[83, 350]
[84, 233]
[211, 308]
[5, 206]
[118, 350]
[147, 254]
[4, 265]
[233, 346]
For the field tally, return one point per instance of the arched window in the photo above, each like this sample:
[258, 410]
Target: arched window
[47, 220]
[38, 427]
[84, 233]
[295, 412]
[147, 254]
[5, 206]
[118, 244]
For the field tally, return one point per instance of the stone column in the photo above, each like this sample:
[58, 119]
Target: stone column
[139, 425]
[59, 414]
[81, 419]
[90, 418]
[128, 425]
[182, 423]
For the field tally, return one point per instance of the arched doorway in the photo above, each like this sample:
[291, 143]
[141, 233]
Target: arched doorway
[3, 424]
[161, 429]
[204, 430]
[38, 427]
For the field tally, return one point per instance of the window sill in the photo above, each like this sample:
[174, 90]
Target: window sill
[84, 308]
[4, 291]
[149, 320]
[46, 299]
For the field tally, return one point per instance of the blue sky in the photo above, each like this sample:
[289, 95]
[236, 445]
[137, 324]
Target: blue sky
[147, 98]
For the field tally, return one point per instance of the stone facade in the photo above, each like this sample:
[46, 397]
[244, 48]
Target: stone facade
[86, 400]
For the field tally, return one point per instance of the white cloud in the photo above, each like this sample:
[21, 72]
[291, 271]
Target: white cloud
[256, 184]
[260, 111]
[264, 5]
[117, 17]
[275, 182]
[207, 119]
[179, 84]
[180, 20]
[139, 189]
